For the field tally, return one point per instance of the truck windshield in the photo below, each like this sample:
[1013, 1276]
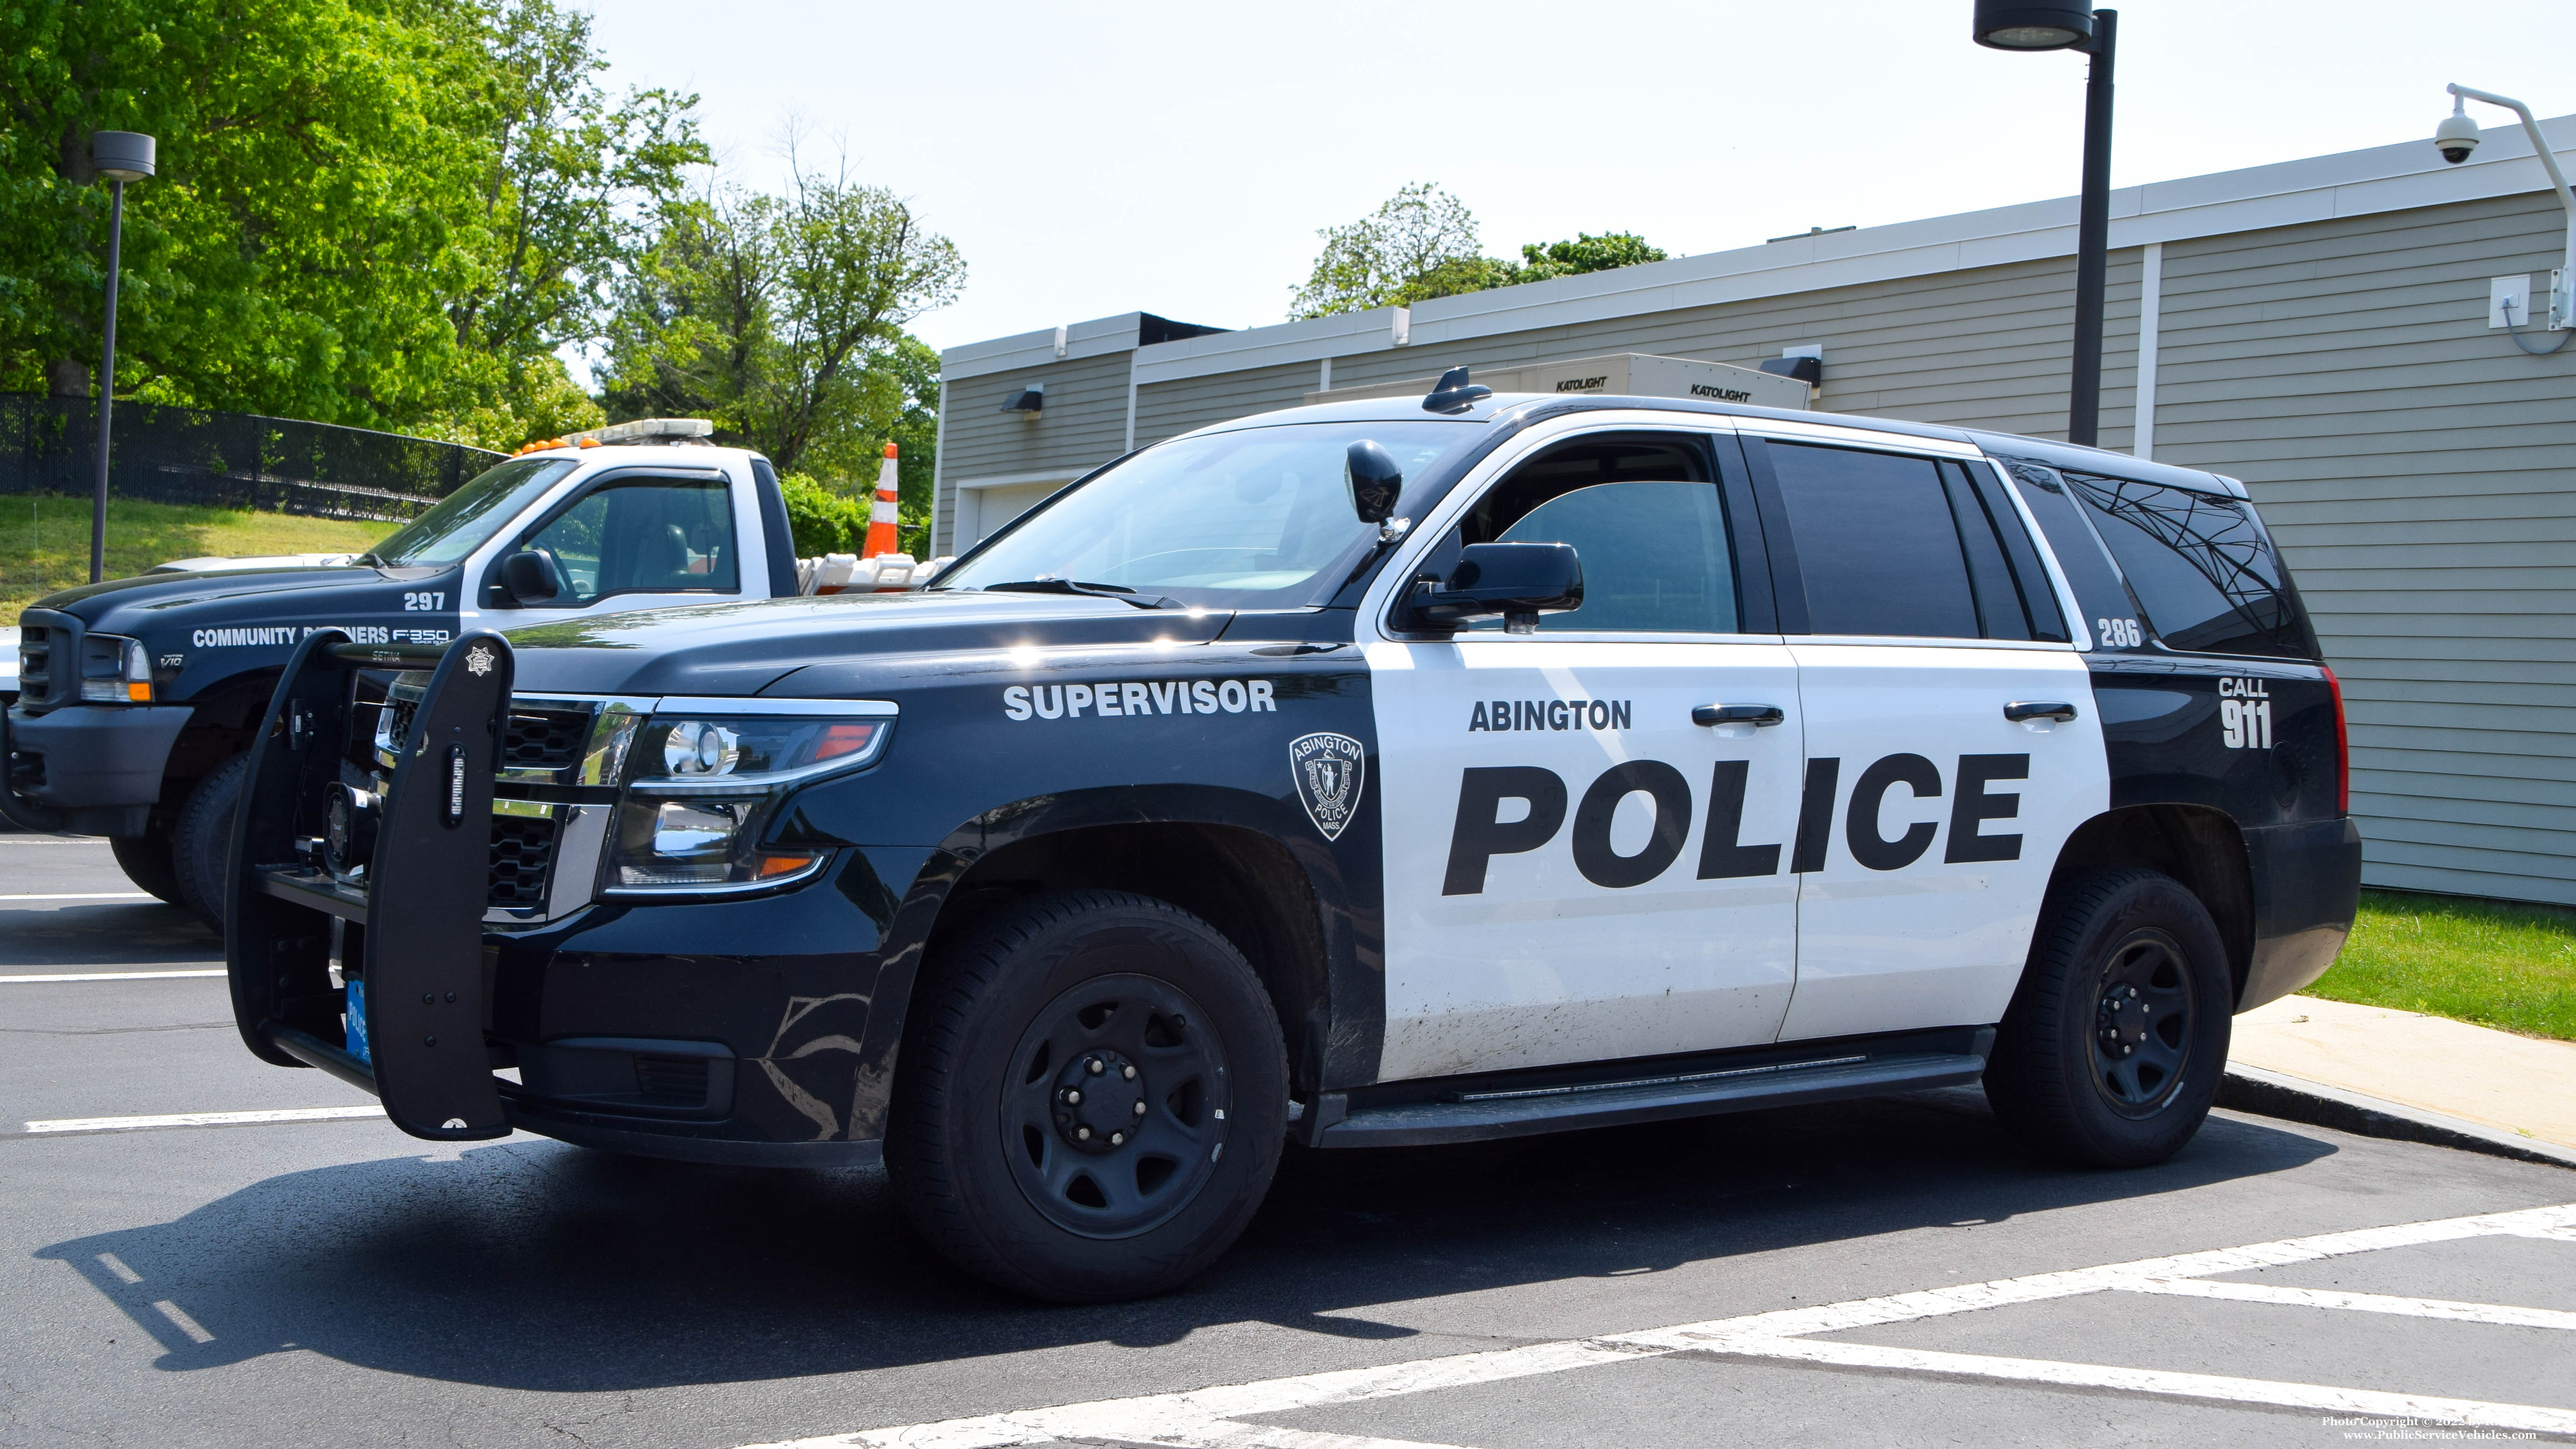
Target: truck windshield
[1258, 518]
[463, 519]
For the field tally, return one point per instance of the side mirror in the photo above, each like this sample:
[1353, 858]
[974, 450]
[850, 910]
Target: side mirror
[1519, 581]
[1374, 481]
[530, 576]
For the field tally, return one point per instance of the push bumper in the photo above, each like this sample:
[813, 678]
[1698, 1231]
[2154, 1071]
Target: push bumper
[737, 1031]
[99, 765]
[2307, 888]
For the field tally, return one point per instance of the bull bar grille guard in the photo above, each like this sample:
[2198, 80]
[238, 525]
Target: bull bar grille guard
[421, 948]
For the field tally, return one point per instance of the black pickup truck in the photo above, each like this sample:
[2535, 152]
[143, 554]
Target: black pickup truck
[139, 697]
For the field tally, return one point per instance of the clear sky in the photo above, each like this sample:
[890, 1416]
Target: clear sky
[1095, 158]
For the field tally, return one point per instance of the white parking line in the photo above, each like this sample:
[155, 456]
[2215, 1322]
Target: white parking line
[2358, 1302]
[108, 976]
[196, 1331]
[1211, 1418]
[60, 1125]
[88, 896]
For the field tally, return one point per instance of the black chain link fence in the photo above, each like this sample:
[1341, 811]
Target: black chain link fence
[238, 460]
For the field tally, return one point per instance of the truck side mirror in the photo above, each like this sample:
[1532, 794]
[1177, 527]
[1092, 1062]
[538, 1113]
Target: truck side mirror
[1374, 481]
[530, 576]
[1519, 581]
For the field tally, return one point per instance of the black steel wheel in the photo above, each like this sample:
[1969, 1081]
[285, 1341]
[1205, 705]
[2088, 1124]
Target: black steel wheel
[2111, 1051]
[2142, 1040]
[1114, 1114]
[1090, 1100]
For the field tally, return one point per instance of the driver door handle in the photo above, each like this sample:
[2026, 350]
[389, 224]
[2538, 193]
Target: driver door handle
[1726, 714]
[2021, 710]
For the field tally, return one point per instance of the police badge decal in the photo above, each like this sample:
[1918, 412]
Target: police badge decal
[1330, 771]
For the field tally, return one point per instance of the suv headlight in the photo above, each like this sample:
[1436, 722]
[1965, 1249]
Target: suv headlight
[115, 670]
[704, 780]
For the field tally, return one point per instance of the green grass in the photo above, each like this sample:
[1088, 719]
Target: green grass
[44, 541]
[2497, 965]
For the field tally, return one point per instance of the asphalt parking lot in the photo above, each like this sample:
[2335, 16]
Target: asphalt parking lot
[1889, 1272]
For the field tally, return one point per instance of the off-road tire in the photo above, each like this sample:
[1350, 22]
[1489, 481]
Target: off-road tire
[148, 862]
[202, 846]
[982, 1021]
[2068, 1074]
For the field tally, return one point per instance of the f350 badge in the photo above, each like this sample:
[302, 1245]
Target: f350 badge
[1330, 771]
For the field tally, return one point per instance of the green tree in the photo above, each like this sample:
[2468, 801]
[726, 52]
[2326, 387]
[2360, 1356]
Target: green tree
[571, 177]
[1422, 243]
[781, 318]
[1586, 253]
[386, 213]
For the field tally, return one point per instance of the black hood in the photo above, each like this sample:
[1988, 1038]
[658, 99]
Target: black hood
[223, 591]
[742, 649]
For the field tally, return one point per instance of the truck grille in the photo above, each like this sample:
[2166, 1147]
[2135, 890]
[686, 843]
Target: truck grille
[543, 739]
[35, 665]
[523, 857]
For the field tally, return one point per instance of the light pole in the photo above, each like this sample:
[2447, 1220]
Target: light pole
[120, 156]
[2075, 25]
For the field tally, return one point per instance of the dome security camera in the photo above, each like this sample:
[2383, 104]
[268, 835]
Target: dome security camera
[2456, 137]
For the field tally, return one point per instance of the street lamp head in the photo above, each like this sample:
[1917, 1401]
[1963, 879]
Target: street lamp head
[121, 155]
[2457, 136]
[2033, 24]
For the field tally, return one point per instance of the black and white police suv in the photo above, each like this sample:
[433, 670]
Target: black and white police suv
[1368, 774]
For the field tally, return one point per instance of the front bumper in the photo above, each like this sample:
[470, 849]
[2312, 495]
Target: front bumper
[94, 758]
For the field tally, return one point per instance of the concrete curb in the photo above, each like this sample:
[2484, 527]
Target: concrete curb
[2295, 1099]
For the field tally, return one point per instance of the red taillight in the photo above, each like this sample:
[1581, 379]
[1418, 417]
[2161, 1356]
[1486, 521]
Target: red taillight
[2343, 747]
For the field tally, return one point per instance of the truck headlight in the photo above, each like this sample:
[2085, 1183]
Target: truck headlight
[115, 670]
[704, 784]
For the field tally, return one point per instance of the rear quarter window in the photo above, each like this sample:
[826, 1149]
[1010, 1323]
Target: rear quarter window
[2200, 566]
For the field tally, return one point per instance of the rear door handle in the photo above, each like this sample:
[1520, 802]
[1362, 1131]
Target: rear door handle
[1726, 714]
[2023, 710]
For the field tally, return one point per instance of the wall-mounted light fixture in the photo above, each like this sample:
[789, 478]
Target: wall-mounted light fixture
[1028, 402]
[1806, 363]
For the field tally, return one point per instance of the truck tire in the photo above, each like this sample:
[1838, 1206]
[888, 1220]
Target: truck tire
[2112, 1049]
[1091, 1099]
[147, 861]
[202, 846]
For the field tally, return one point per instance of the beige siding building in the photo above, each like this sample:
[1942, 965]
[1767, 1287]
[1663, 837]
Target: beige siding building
[2319, 328]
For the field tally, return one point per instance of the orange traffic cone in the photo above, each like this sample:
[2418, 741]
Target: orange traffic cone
[881, 519]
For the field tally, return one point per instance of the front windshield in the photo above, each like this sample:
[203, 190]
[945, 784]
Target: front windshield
[1258, 518]
[463, 519]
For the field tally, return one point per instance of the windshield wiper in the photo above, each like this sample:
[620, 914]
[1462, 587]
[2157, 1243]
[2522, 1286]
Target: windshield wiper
[1120, 592]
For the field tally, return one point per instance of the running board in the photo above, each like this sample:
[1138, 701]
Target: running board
[1482, 1116]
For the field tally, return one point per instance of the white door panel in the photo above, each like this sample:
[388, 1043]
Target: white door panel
[1542, 907]
[1923, 876]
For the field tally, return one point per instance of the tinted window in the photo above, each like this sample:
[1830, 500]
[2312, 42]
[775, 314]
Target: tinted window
[1644, 513]
[1876, 543]
[2199, 565]
[643, 535]
[1654, 558]
[2089, 572]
